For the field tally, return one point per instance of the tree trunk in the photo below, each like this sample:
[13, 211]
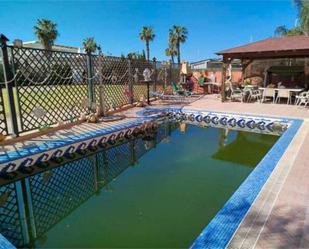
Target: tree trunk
[172, 57]
[178, 52]
[147, 49]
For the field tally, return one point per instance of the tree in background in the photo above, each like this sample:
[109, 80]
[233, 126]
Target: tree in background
[172, 49]
[282, 31]
[147, 35]
[89, 45]
[137, 56]
[302, 28]
[304, 16]
[179, 33]
[46, 32]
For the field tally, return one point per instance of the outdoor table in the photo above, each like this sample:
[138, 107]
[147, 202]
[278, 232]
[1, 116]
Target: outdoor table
[291, 90]
[296, 90]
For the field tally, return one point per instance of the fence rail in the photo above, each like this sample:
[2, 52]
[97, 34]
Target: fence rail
[46, 87]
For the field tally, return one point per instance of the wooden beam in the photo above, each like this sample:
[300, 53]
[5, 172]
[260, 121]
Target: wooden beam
[225, 65]
[306, 71]
[268, 54]
[244, 64]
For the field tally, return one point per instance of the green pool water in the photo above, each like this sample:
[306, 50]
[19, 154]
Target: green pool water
[143, 193]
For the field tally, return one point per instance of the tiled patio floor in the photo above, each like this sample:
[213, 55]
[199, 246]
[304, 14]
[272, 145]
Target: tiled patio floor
[213, 103]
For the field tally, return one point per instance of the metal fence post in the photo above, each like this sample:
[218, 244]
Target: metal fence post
[171, 71]
[155, 74]
[132, 152]
[130, 82]
[90, 81]
[101, 87]
[9, 83]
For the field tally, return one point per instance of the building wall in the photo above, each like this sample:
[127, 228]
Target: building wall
[236, 75]
[55, 47]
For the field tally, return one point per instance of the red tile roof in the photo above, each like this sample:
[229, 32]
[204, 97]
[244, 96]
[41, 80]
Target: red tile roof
[289, 43]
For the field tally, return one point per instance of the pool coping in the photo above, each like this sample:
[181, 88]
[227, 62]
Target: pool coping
[222, 227]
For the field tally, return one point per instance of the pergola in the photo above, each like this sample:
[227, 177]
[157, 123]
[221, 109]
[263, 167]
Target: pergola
[271, 48]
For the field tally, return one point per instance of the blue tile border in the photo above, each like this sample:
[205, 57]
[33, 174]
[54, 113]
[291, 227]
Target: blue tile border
[219, 231]
[57, 143]
[5, 244]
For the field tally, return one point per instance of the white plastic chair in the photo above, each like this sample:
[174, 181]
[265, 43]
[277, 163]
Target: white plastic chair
[302, 98]
[255, 94]
[283, 93]
[236, 93]
[268, 93]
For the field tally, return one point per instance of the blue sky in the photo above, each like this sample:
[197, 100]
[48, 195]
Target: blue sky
[212, 25]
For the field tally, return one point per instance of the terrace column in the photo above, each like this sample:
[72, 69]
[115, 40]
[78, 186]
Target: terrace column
[225, 66]
[244, 66]
[306, 70]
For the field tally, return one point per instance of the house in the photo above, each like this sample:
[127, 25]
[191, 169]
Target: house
[62, 48]
[212, 64]
[213, 68]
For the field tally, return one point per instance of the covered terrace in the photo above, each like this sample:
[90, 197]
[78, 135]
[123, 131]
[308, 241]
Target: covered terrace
[283, 60]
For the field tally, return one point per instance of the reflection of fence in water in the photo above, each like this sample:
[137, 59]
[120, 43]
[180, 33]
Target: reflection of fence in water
[10, 216]
[55, 193]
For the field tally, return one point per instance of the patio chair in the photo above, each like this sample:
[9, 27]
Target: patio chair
[179, 91]
[254, 94]
[268, 93]
[163, 96]
[283, 93]
[201, 81]
[302, 98]
[236, 93]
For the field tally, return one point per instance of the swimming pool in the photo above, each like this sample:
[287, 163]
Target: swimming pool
[159, 189]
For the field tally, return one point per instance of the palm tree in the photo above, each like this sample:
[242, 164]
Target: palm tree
[46, 32]
[171, 50]
[281, 31]
[180, 35]
[303, 14]
[90, 46]
[295, 31]
[147, 35]
[304, 17]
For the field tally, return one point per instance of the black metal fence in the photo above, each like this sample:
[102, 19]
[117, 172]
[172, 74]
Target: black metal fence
[3, 123]
[44, 87]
